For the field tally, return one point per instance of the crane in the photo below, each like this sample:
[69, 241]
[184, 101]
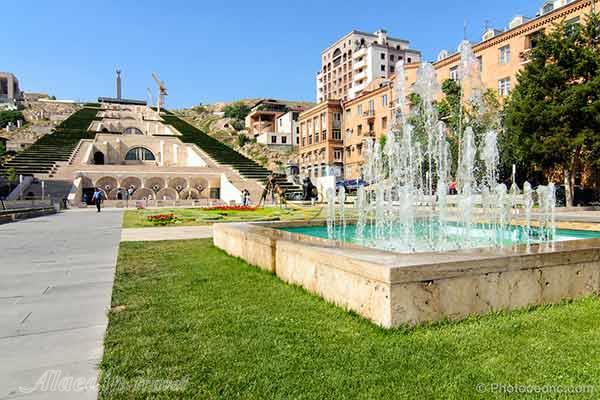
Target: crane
[162, 92]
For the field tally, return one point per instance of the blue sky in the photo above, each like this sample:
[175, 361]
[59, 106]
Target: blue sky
[209, 51]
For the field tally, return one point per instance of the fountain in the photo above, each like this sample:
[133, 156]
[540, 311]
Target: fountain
[408, 251]
[405, 206]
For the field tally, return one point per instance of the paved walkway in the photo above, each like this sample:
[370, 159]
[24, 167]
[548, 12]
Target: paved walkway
[166, 233]
[56, 277]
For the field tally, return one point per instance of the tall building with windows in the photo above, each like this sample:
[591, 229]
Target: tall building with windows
[358, 58]
[503, 53]
[321, 146]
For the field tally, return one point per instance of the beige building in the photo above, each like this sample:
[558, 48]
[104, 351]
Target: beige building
[501, 54]
[321, 145]
[273, 123]
[358, 58]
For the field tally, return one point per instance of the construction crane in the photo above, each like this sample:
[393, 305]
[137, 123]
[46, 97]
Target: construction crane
[162, 92]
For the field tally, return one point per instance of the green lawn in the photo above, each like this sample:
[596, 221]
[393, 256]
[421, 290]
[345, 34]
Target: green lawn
[199, 216]
[184, 311]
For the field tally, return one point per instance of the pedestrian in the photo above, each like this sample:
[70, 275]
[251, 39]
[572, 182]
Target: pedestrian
[246, 197]
[97, 198]
[243, 199]
[119, 195]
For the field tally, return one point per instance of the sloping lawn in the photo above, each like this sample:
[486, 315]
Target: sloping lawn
[186, 312]
[200, 216]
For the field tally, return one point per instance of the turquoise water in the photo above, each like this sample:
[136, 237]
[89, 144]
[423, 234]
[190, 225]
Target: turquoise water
[451, 237]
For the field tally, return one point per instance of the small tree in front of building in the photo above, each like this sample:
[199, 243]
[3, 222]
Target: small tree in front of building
[553, 115]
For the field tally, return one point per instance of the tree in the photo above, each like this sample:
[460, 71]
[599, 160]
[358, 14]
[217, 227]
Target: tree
[553, 116]
[10, 116]
[238, 110]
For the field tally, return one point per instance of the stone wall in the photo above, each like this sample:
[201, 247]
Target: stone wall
[394, 289]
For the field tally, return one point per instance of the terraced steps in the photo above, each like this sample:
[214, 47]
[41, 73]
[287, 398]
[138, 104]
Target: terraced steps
[223, 154]
[42, 156]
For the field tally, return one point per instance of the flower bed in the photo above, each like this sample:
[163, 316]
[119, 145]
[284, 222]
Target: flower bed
[163, 219]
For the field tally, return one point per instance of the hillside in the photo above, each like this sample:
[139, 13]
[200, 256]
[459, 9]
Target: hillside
[230, 131]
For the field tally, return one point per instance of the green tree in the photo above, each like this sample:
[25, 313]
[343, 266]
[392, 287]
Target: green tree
[10, 116]
[553, 115]
[2, 148]
[237, 110]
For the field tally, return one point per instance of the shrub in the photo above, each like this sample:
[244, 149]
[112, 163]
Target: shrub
[237, 110]
[10, 116]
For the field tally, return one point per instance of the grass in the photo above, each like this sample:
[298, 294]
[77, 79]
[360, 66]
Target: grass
[199, 216]
[185, 311]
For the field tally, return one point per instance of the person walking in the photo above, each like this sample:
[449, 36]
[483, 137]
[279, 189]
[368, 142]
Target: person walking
[97, 198]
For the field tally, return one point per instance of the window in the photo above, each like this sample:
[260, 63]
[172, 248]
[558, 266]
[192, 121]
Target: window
[132, 131]
[391, 57]
[359, 130]
[297, 140]
[337, 134]
[359, 109]
[382, 68]
[382, 56]
[284, 140]
[504, 87]
[324, 134]
[273, 139]
[480, 60]
[384, 123]
[139, 154]
[303, 141]
[392, 69]
[337, 154]
[384, 100]
[534, 38]
[409, 60]
[371, 107]
[504, 55]
[548, 8]
[454, 73]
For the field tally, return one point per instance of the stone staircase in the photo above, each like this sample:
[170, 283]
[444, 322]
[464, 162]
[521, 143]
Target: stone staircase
[225, 155]
[42, 157]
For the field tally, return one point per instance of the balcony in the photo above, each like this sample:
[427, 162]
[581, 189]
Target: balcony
[369, 114]
[359, 53]
[360, 75]
[359, 64]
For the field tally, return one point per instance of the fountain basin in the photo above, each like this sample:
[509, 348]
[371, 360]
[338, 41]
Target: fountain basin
[394, 289]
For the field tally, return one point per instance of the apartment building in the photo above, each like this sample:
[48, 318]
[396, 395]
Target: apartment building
[321, 145]
[358, 58]
[501, 53]
[273, 123]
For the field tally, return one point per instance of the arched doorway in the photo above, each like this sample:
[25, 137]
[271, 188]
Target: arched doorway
[99, 158]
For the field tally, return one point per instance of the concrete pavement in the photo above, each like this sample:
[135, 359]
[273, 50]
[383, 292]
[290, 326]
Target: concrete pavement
[56, 277]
